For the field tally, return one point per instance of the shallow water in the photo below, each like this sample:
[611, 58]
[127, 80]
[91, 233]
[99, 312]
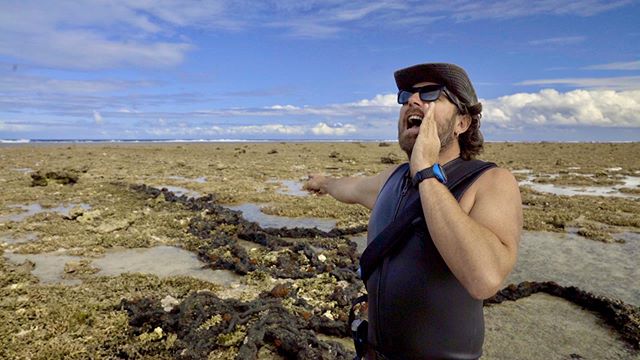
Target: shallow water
[521, 171]
[12, 239]
[360, 240]
[252, 212]
[609, 269]
[546, 327]
[33, 209]
[200, 180]
[290, 187]
[162, 261]
[23, 170]
[179, 191]
[49, 267]
[629, 182]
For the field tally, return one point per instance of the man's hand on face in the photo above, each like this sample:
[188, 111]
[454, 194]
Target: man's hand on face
[316, 184]
[427, 146]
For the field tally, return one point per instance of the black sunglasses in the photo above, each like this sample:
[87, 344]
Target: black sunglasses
[429, 93]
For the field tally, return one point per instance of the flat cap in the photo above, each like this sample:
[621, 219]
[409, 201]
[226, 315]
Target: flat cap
[450, 75]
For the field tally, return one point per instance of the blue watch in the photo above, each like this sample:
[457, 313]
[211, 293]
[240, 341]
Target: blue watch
[435, 171]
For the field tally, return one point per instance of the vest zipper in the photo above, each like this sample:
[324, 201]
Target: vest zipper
[405, 189]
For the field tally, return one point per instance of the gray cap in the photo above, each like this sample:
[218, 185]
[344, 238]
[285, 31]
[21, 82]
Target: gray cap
[450, 75]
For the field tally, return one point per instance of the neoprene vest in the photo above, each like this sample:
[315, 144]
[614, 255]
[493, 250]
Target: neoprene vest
[417, 307]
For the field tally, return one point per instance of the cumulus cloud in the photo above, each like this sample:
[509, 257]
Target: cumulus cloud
[603, 108]
[337, 129]
[387, 100]
[374, 117]
[266, 129]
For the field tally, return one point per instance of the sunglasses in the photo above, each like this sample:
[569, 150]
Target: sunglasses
[429, 93]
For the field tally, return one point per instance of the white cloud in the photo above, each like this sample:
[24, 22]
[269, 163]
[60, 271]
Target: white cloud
[87, 50]
[333, 130]
[43, 85]
[604, 108]
[616, 83]
[97, 117]
[284, 107]
[321, 19]
[631, 65]
[375, 117]
[88, 34]
[477, 10]
[387, 100]
[557, 41]
[95, 35]
[266, 129]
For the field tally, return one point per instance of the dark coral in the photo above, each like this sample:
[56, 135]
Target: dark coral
[294, 334]
[65, 177]
[265, 321]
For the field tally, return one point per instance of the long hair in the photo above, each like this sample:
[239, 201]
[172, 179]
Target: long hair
[471, 141]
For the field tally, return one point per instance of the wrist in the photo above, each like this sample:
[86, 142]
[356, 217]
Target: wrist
[432, 172]
[415, 168]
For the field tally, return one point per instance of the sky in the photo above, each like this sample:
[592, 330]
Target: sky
[316, 70]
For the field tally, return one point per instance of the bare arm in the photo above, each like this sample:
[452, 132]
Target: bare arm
[480, 247]
[351, 190]
[478, 237]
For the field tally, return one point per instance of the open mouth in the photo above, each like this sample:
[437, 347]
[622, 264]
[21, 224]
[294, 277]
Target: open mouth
[414, 121]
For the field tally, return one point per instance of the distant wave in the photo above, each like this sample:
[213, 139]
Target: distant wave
[14, 141]
[75, 141]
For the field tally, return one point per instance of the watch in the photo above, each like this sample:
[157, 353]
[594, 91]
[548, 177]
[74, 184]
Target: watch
[435, 171]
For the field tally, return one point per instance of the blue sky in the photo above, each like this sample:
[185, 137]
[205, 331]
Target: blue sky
[544, 70]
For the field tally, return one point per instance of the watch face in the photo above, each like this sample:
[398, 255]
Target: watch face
[438, 172]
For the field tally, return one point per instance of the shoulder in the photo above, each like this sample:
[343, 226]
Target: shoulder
[496, 177]
[493, 185]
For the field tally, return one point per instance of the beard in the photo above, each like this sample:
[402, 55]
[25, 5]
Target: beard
[445, 133]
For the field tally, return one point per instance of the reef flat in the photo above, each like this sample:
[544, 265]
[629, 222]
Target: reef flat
[77, 220]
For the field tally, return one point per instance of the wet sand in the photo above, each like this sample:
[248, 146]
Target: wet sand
[75, 250]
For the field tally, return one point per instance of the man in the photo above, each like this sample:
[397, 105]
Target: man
[425, 299]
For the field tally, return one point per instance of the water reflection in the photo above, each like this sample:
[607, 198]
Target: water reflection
[571, 260]
[360, 240]
[49, 267]
[33, 209]
[179, 191]
[290, 187]
[163, 261]
[252, 212]
[628, 182]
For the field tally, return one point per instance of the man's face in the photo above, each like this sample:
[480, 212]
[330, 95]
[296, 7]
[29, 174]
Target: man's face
[445, 115]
